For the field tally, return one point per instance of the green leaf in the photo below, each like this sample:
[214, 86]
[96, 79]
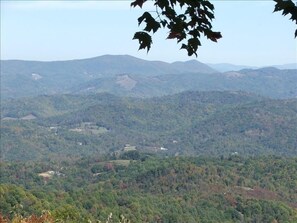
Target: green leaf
[164, 23]
[162, 4]
[194, 19]
[151, 23]
[138, 3]
[208, 5]
[143, 17]
[144, 39]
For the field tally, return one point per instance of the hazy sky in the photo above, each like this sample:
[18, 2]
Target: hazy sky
[54, 30]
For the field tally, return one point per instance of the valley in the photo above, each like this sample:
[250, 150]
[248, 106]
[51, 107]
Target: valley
[189, 123]
[148, 141]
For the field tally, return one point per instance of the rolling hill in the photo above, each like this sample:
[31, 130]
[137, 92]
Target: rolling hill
[189, 123]
[150, 189]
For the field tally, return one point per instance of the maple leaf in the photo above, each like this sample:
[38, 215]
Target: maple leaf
[144, 39]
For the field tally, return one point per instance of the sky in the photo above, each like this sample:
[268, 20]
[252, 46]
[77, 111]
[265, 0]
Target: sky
[66, 30]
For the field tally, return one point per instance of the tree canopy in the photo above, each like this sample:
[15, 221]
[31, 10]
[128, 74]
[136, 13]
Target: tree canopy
[188, 20]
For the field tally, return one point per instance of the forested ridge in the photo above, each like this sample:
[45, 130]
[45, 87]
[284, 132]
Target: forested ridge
[118, 139]
[189, 123]
[124, 75]
[188, 157]
[151, 189]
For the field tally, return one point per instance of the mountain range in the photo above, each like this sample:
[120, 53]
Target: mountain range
[224, 67]
[158, 142]
[124, 75]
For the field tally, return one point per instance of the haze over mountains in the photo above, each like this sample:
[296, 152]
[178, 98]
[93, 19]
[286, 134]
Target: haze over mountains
[129, 76]
[224, 67]
[213, 147]
[80, 107]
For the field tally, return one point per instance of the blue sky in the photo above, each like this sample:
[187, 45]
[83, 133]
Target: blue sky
[54, 30]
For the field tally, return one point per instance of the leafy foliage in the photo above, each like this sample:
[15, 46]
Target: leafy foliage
[45, 218]
[176, 189]
[288, 8]
[186, 21]
[186, 27]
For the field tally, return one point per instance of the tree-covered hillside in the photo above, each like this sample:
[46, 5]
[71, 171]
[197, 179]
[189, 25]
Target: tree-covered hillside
[150, 189]
[190, 123]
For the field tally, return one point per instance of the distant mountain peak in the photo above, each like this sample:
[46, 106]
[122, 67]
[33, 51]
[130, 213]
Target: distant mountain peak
[131, 76]
[224, 67]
